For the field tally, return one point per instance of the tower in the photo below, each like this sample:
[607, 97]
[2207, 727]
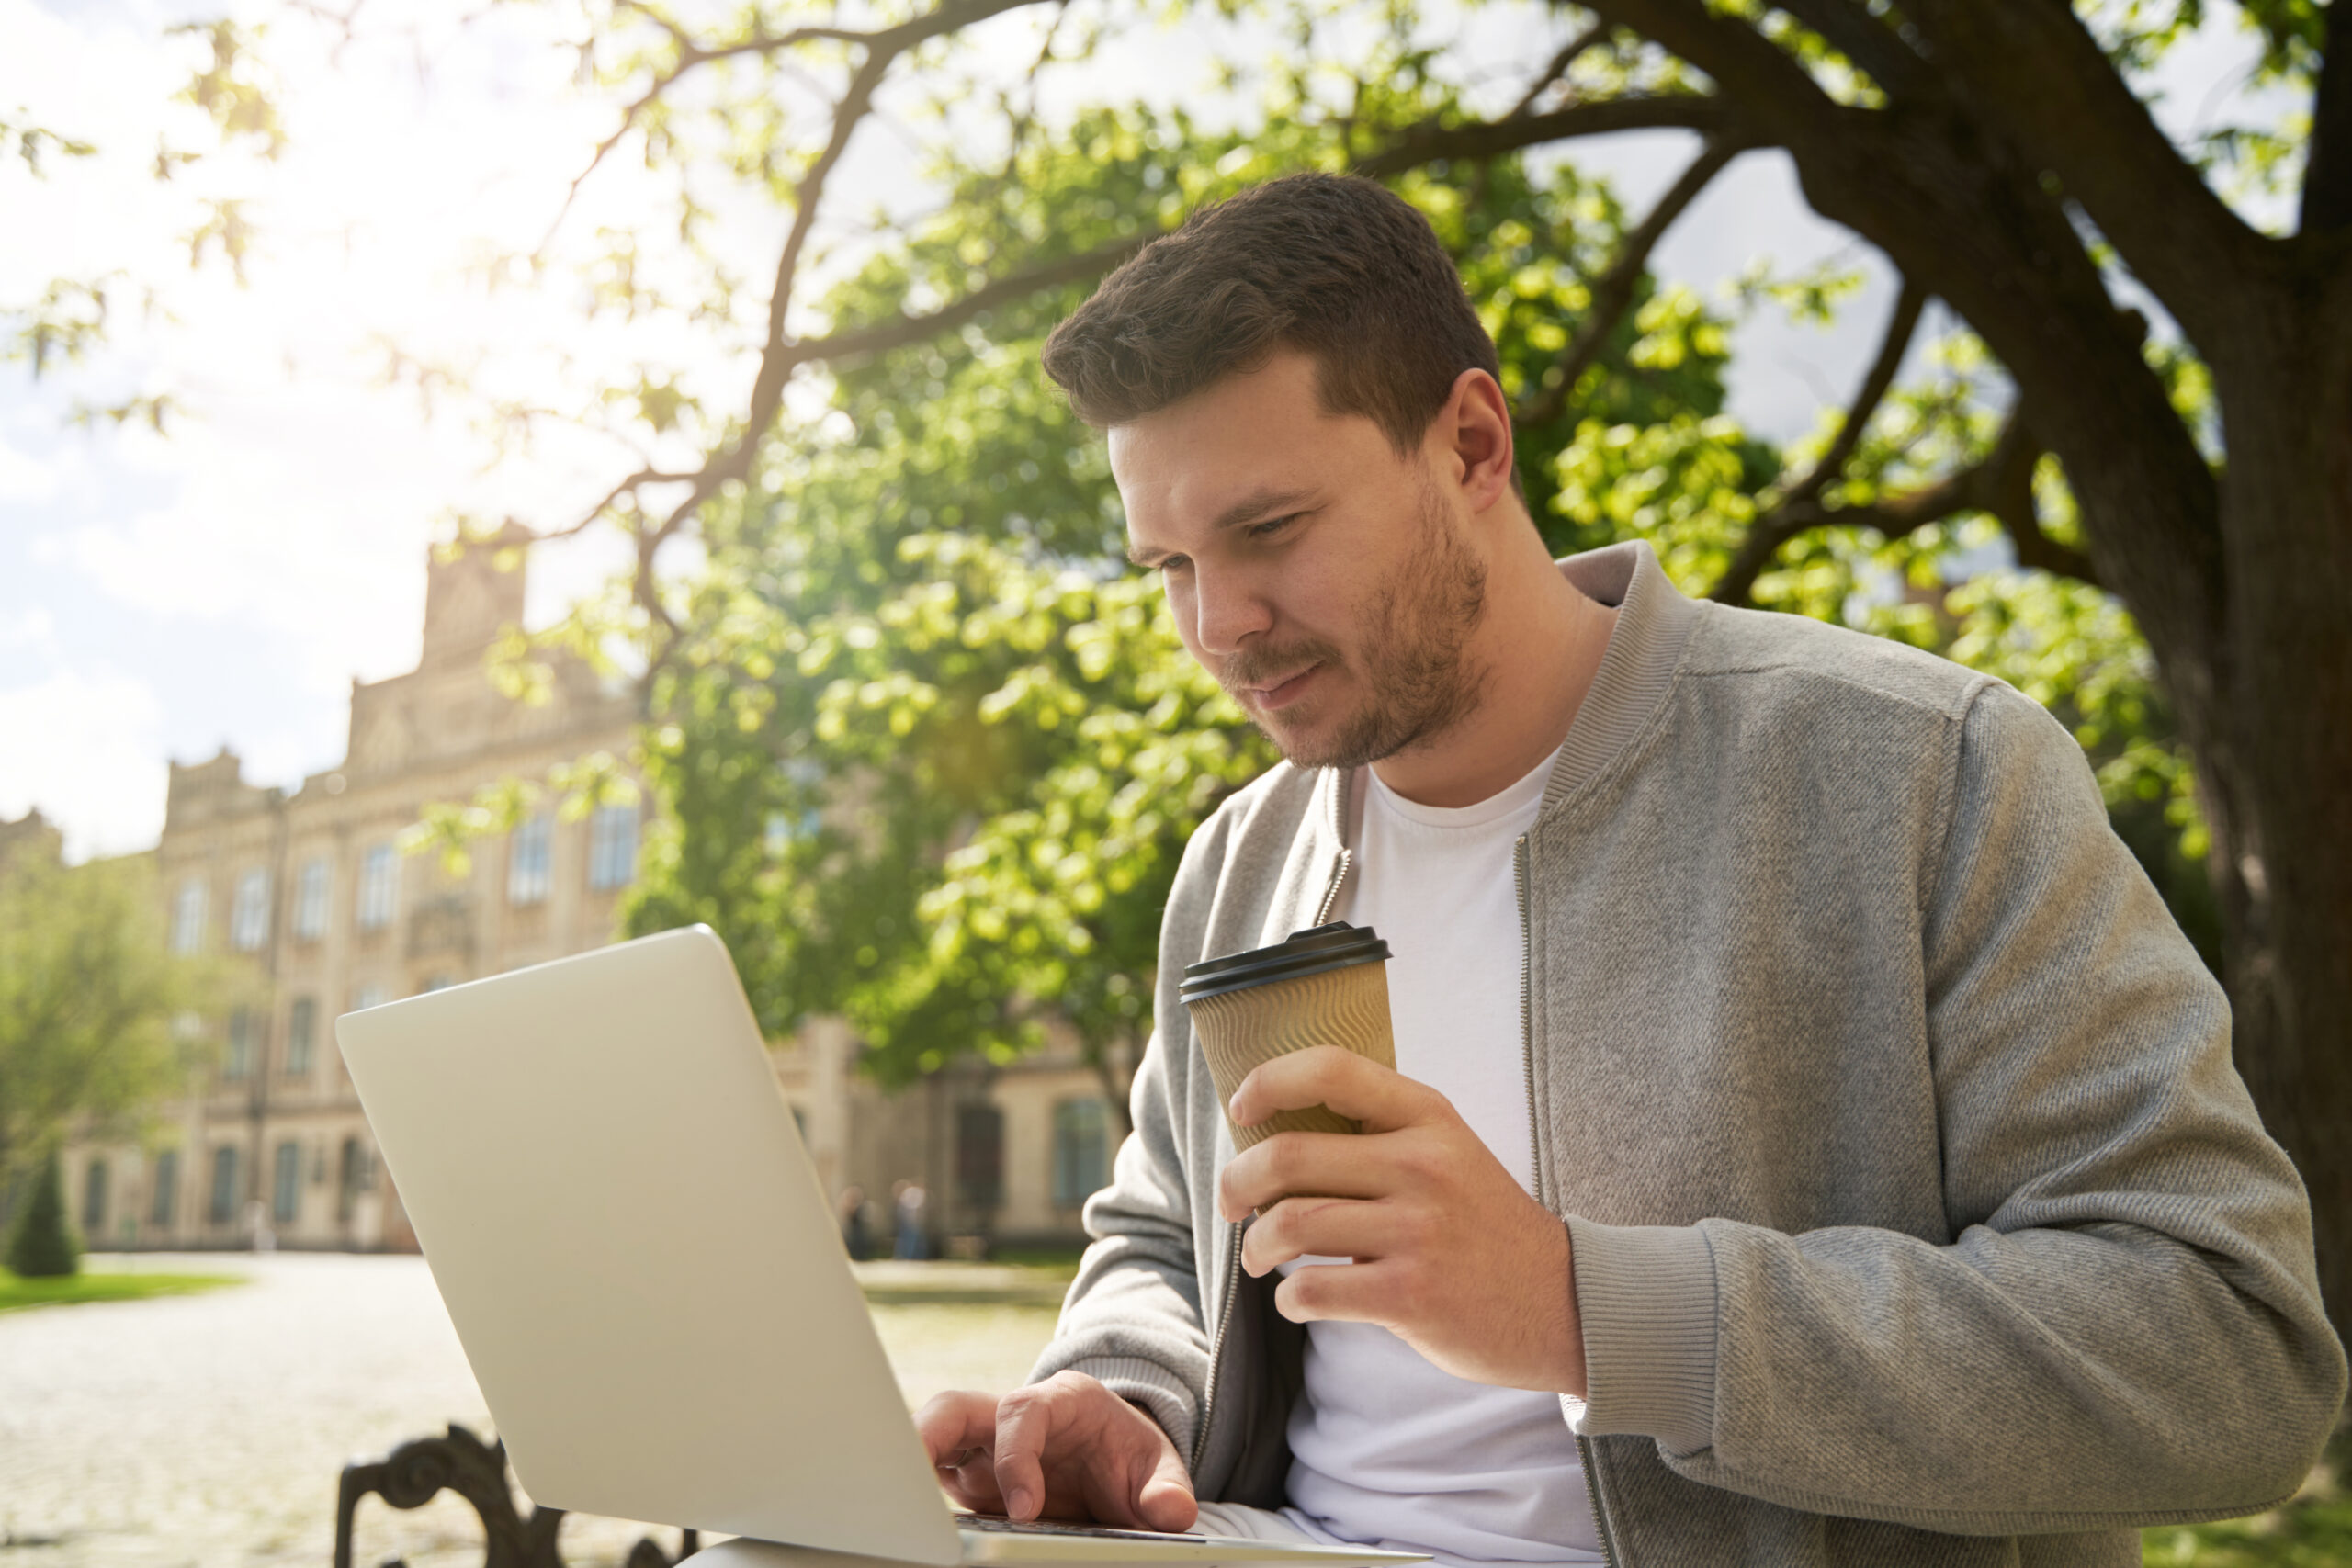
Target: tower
[469, 599]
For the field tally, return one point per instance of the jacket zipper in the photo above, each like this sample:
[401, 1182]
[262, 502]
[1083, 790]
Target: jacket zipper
[1592, 1492]
[1535, 1145]
[1217, 1343]
[1233, 1267]
[1331, 895]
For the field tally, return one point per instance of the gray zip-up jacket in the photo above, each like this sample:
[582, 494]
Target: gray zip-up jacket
[1918, 1213]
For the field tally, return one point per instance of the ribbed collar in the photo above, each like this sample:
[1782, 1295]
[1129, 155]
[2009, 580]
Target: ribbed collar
[1653, 622]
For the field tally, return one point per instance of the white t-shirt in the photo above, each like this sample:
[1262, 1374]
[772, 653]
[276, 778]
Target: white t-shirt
[1386, 1450]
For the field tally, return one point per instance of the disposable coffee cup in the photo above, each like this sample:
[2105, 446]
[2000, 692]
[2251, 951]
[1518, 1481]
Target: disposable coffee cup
[1324, 987]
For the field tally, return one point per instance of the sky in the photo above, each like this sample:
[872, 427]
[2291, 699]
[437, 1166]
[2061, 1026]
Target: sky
[223, 584]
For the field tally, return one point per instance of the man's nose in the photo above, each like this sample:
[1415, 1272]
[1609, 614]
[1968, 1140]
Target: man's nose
[1227, 608]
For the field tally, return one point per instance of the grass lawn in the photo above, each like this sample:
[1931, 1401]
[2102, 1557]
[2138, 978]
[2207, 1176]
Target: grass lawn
[15, 1292]
[2313, 1531]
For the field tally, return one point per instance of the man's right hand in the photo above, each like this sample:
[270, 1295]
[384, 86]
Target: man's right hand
[1064, 1449]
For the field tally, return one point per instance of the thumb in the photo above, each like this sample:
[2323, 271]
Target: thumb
[1165, 1500]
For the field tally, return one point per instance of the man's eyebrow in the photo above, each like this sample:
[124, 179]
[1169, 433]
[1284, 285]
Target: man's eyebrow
[1249, 509]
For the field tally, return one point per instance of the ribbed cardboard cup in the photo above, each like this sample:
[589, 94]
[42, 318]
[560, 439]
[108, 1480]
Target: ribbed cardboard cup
[1324, 987]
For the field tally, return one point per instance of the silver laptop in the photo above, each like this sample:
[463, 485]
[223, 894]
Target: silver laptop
[646, 1277]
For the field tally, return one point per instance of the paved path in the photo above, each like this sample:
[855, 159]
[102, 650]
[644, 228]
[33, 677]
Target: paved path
[206, 1431]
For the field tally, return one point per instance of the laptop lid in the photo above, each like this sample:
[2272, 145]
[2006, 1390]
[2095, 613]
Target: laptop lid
[645, 1275]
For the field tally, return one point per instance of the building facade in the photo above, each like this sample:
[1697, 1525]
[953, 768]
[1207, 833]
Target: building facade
[310, 895]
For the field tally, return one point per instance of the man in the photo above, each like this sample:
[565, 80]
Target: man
[1813, 1142]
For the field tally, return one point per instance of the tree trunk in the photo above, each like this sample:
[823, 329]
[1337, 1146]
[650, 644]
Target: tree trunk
[1116, 1077]
[2275, 754]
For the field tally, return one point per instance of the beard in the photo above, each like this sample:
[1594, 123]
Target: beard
[1410, 658]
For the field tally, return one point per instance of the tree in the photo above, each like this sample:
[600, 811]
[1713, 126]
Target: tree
[41, 1243]
[87, 1000]
[2144, 413]
[1996, 153]
[1026, 746]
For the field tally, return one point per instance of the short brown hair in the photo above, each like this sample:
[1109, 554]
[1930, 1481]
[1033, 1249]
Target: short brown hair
[1334, 264]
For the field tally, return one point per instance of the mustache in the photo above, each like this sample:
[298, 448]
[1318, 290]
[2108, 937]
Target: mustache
[1257, 666]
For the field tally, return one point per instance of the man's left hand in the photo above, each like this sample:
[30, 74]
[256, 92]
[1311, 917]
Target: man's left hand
[1448, 1253]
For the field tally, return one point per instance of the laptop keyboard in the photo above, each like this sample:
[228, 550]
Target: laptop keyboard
[999, 1524]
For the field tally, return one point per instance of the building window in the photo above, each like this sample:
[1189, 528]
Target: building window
[301, 1033]
[310, 888]
[528, 861]
[612, 846]
[187, 916]
[358, 1176]
[1082, 1151]
[94, 1199]
[244, 1040]
[370, 996]
[165, 1200]
[379, 887]
[979, 1156]
[223, 1207]
[249, 911]
[285, 1183]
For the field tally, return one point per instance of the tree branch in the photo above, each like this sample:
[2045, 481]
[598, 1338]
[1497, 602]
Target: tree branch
[1894, 343]
[1022, 121]
[2009, 497]
[2327, 170]
[1874, 47]
[883, 42]
[2032, 74]
[781, 355]
[1433, 139]
[1774, 94]
[899, 330]
[778, 358]
[2000, 485]
[1801, 507]
[1558, 68]
[1959, 209]
[1612, 293]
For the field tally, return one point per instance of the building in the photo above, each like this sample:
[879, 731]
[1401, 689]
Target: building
[310, 895]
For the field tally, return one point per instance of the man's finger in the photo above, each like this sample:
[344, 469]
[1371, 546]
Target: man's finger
[1381, 1098]
[1343, 1293]
[1326, 1164]
[1166, 1502]
[1327, 1227]
[1026, 1421]
[955, 1423]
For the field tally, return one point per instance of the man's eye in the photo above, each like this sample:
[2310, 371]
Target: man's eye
[1172, 565]
[1272, 526]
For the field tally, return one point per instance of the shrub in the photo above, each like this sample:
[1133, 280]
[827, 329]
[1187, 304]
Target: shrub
[41, 1245]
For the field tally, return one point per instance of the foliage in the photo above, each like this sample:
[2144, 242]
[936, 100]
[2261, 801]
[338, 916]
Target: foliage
[569, 791]
[87, 998]
[2312, 1529]
[41, 1243]
[17, 1292]
[929, 757]
[923, 750]
[930, 752]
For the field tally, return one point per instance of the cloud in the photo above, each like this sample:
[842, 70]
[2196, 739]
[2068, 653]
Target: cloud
[26, 479]
[82, 749]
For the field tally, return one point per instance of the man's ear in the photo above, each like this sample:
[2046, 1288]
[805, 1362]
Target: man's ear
[1475, 430]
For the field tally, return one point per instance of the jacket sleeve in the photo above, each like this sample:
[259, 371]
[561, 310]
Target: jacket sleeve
[1134, 1317]
[2126, 1327]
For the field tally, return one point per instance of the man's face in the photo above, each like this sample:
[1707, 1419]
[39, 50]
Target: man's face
[1325, 581]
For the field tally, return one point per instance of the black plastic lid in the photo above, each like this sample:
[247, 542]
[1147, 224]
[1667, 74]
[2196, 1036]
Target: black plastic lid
[1335, 946]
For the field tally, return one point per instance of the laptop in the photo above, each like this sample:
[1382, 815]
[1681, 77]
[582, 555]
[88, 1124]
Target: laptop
[645, 1274]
